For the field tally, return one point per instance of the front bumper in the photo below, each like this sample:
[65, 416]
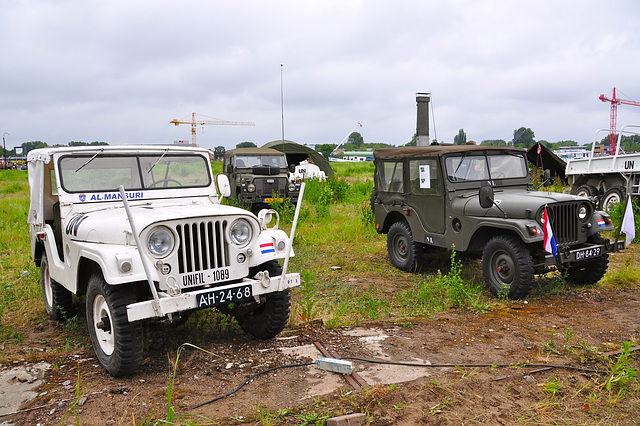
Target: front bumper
[168, 304]
[566, 255]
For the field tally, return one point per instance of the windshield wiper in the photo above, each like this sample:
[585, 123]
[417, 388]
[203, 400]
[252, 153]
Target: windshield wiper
[158, 160]
[89, 160]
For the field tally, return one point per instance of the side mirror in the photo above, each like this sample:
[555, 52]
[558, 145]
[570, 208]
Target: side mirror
[223, 185]
[486, 197]
[292, 168]
[229, 168]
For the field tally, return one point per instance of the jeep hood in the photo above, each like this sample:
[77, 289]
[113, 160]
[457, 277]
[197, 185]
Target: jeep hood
[515, 203]
[111, 226]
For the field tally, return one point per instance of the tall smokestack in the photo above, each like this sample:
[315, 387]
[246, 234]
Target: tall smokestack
[422, 123]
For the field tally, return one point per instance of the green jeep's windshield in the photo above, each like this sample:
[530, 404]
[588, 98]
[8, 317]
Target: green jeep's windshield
[106, 172]
[468, 167]
[249, 161]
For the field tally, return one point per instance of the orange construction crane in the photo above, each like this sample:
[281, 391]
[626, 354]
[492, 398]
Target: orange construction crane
[212, 120]
[614, 115]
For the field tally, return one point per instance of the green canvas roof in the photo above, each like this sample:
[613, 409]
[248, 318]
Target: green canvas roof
[420, 151]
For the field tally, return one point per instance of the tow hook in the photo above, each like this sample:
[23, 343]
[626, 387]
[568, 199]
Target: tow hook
[263, 277]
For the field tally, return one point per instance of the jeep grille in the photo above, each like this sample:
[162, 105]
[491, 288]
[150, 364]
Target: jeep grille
[564, 220]
[265, 189]
[202, 246]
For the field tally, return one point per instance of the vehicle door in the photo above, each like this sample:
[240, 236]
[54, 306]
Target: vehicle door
[425, 193]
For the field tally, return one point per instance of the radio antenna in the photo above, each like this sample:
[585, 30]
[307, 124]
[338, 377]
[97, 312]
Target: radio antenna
[282, 104]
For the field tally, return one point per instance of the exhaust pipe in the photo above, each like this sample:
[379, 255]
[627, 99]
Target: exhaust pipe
[422, 123]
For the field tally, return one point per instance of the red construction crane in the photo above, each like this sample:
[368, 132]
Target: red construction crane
[213, 120]
[614, 115]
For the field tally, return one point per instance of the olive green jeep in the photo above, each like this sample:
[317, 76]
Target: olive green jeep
[481, 201]
[259, 177]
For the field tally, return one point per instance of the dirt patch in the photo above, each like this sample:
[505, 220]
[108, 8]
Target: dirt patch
[443, 385]
[546, 329]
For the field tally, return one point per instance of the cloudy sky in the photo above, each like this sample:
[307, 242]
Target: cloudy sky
[120, 70]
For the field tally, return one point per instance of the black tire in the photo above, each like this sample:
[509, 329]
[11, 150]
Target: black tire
[57, 299]
[118, 343]
[586, 191]
[588, 272]
[507, 267]
[403, 251]
[269, 318]
[613, 196]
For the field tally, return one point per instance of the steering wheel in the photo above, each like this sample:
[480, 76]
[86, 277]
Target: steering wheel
[165, 181]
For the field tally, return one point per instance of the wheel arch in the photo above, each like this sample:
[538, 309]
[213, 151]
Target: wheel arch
[483, 234]
[391, 218]
[86, 268]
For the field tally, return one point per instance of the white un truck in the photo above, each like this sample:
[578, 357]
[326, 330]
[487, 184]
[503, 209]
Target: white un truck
[140, 231]
[608, 178]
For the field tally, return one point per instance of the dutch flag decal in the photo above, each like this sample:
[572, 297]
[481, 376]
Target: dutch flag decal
[267, 248]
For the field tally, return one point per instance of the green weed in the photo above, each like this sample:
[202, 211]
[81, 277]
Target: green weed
[623, 377]
[366, 214]
[307, 304]
[285, 208]
[552, 387]
[171, 409]
[442, 292]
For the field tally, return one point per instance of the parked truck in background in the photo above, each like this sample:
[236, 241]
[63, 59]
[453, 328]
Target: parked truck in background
[608, 178]
[259, 177]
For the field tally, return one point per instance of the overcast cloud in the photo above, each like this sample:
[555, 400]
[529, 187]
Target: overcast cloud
[119, 71]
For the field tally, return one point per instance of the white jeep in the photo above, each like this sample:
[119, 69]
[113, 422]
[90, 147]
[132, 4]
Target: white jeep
[142, 233]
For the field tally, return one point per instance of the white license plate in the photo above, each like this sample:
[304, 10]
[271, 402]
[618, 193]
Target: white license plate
[220, 297]
[207, 277]
[588, 253]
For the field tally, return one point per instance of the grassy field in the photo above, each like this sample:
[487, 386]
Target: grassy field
[347, 276]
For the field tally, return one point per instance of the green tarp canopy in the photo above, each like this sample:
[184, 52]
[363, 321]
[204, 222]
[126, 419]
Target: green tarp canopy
[296, 153]
[547, 160]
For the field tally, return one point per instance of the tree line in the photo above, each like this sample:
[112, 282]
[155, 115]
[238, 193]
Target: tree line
[524, 137]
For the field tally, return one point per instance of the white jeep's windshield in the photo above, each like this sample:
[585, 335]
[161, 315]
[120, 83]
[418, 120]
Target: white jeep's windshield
[87, 172]
[484, 167]
[249, 161]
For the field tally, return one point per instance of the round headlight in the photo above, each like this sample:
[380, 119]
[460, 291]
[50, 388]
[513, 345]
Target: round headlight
[291, 187]
[160, 241]
[541, 216]
[251, 187]
[583, 212]
[240, 232]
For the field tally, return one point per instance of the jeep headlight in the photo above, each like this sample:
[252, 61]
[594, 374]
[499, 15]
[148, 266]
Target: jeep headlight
[251, 187]
[540, 216]
[583, 212]
[160, 241]
[240, 232]
[291, 187]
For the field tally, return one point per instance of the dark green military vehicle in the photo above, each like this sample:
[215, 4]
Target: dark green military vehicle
[481, 201]
[259, 176]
